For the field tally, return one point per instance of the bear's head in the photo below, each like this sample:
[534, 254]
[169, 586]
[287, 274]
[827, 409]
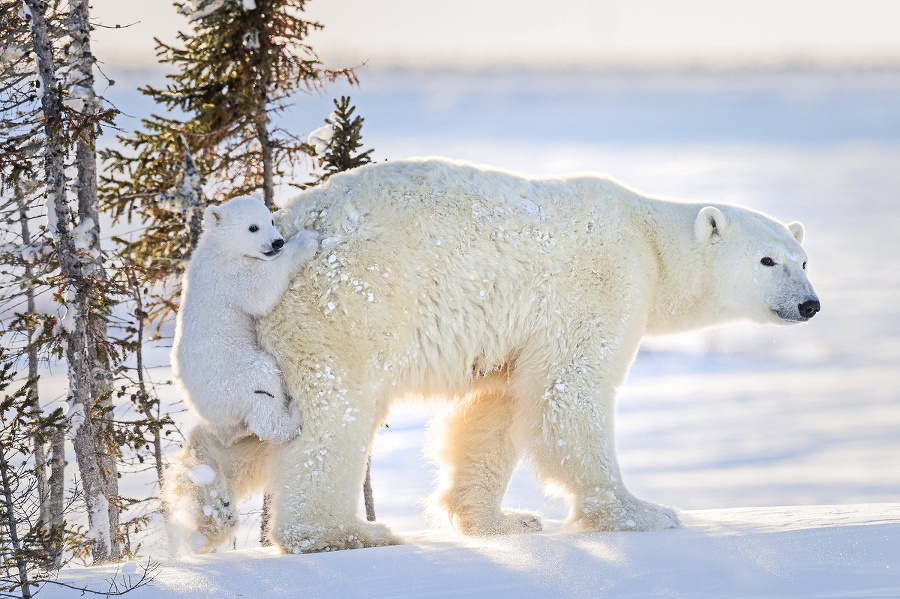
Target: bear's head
[245, 227]
[759, 265]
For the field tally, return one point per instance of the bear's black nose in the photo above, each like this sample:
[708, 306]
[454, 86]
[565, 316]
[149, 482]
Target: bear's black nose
[276, 245]
[809, 308]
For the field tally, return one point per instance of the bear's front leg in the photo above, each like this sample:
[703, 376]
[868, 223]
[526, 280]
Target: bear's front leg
[572, 445]
[318, 476]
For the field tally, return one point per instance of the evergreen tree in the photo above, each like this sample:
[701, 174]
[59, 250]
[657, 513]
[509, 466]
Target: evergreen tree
[26, 256]
[68, 117]
[59, 36]
[24, 545]
[233, 71]
[337, 143]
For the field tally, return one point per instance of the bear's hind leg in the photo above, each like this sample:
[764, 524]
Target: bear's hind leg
[478, 457]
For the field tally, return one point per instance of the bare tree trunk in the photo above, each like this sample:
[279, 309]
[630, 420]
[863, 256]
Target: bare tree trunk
[13, 527]
[57, 483]
[81, 63]
[367, 493]
[268, 171]
[262, 132]
[265, 524]
[50, 491]
[40, 453]
[79, 339]
[145, 401]
[192, 198]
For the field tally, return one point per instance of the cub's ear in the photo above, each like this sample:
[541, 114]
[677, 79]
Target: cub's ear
[797, 231]
[710, 223]
[212, 217]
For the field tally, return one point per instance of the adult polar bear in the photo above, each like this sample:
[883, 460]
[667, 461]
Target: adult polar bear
[523, 301]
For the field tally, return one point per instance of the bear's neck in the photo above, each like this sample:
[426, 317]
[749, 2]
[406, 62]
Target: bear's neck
[685, 295]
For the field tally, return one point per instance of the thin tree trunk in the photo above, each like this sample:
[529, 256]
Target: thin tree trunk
[40, 453]
[191, 190]
[12, 525]
[367, 493]
[262, 132]
[144, 400]
[82, 87]
[57, 485]
[265, 144]
[50, 491]
[265, 524]
[79, 341]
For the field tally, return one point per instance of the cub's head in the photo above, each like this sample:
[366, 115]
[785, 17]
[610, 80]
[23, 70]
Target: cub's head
[758, 263]
[245, 227]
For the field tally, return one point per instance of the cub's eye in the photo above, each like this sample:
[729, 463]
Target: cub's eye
[273, 222]
[254, 228]
[767, 261]
[804, 266]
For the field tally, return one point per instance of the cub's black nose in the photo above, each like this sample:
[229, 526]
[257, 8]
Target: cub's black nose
[809, 308]
[276, 245]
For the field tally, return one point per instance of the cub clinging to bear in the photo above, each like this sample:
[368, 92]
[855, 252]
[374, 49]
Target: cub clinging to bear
[238, 272]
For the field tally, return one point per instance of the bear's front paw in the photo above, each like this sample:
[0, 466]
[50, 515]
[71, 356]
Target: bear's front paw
[506, 522]
[303, 538]
[626, 514]
[519, 521]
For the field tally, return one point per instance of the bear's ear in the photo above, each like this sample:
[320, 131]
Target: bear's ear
[212, 216]
[709, 224]
[797, 231]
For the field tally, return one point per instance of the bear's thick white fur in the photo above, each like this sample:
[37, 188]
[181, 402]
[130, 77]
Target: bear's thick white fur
[238, 272]
[520, 301]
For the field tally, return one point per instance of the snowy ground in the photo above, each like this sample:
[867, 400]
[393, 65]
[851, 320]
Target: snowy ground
[741, 417]
[825, 551]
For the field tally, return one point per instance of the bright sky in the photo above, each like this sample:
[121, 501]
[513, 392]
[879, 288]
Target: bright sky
[480, 33]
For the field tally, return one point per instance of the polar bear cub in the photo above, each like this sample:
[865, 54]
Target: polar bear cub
[239, 270]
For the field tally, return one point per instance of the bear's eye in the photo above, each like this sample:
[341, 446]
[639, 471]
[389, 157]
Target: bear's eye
[804, 266]
[767, 261]
[254, 228]
[273, 222]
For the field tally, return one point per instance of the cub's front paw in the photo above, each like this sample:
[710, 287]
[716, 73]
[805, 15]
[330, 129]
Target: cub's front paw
[303, 246]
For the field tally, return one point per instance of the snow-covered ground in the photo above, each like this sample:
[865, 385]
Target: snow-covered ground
[743, 417]
[819, 551]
